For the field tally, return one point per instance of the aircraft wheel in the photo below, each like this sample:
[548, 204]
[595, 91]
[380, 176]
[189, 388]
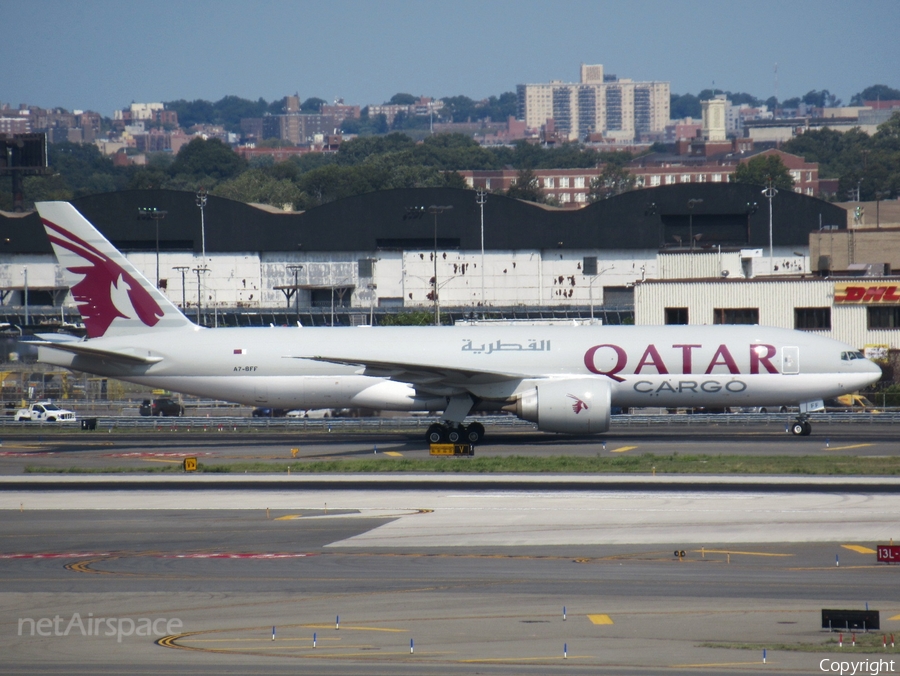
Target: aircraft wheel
[436, 434]
[474, 433]
[807, 428]
[455, 434]
[798, 428]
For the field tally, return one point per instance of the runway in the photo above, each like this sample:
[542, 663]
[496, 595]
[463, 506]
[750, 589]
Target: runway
[476, 578]
[49, 450]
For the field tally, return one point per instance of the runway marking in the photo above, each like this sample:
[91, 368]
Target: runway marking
[623, 449]
[523, 660]
[175, 462]
[600, 619]
[845, 448]
[731, 551]
[288, 517]
[713, 664]
[859, 548]
[352, 628]
[895, 617]
[393, 454]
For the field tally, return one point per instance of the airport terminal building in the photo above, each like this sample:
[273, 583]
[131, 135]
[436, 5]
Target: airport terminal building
[696, 254]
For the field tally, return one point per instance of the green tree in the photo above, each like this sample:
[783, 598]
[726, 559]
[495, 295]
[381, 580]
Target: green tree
[762, 170]
[201, 158]
[684, 105]
[613, 180]
[403, 99]
[312, 105]
[526, 187]
[256, 185]
[878, 92]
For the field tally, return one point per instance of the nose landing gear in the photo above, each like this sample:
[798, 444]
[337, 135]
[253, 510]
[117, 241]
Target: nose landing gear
[801, 427]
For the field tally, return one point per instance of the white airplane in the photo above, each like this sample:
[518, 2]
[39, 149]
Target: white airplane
[565, 379]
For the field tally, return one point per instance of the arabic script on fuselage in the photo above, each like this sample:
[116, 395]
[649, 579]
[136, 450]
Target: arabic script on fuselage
[531, 345]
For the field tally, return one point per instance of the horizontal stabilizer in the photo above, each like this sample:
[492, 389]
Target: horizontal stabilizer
[85, 350]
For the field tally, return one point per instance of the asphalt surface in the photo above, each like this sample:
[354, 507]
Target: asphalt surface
[476, 574]
[141, 449]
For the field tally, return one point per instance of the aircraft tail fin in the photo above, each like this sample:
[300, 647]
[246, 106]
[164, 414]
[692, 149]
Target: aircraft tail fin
[112, 296]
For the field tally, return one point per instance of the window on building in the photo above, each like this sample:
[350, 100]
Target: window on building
[654, 180]
[677, 315]
[701, 178]
[548, 181]
[487, 184]
[717, 178]
[884, 317]
[812, 318]
[580, 197]
[808, 176]
[563, 181]
[685, 178]
[579, 182]
[739, 315]
[670, 179]
[564, 198]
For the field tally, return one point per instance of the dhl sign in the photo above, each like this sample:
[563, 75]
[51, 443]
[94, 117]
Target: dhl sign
[866, 292]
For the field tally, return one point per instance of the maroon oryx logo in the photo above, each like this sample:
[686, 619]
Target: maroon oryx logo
[94, 293]
[579, 405]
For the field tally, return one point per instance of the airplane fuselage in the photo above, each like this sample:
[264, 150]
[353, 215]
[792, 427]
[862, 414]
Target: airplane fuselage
[308, 368]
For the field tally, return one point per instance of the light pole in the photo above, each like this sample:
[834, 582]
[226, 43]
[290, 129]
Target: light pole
[155, 215]
[371, 287]
[480, 199]
[691, 204]
[296, 269]
[770, 193]
[435, 209]
[201, 202]
[199, 270]
[25, 291]
[182, 269]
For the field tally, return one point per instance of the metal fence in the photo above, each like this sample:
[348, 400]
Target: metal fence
[413, 424]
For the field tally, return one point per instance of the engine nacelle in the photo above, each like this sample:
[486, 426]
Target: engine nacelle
[572, 406]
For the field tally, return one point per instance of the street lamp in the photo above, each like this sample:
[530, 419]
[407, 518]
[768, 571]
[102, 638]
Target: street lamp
[295, 269]
[199, 270]
[770, 193]
[435, 209]
[155, 215]
[480, 199]
[182, 269]
[691, 204]
[201, 202]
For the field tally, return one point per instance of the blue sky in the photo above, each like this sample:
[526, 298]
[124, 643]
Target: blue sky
[104, 54]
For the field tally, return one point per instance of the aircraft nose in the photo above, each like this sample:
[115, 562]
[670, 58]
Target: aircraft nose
[873, 368]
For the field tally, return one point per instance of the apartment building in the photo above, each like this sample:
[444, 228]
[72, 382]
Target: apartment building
[599, 104]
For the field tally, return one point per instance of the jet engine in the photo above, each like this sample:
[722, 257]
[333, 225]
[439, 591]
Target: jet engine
[572, 406]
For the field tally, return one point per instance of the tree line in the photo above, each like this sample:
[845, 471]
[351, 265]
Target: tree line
[869, 164]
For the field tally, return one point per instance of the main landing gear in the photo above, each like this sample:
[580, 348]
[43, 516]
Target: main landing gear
[455, 434]
[801, 427]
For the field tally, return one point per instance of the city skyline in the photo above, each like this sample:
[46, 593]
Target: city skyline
[103, 56]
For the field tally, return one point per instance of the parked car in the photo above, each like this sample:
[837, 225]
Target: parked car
[44, 411]
[266, 412]
[163, 406]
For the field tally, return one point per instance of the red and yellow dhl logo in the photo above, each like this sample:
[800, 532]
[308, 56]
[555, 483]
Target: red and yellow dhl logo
[866, 292]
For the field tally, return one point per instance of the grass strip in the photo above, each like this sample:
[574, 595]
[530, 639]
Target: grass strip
[559, 464]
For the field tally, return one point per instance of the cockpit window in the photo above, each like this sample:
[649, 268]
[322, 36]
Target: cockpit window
[850, 355]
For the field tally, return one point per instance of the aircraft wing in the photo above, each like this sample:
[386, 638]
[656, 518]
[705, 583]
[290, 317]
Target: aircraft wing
[425, 377]
[84, 350]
